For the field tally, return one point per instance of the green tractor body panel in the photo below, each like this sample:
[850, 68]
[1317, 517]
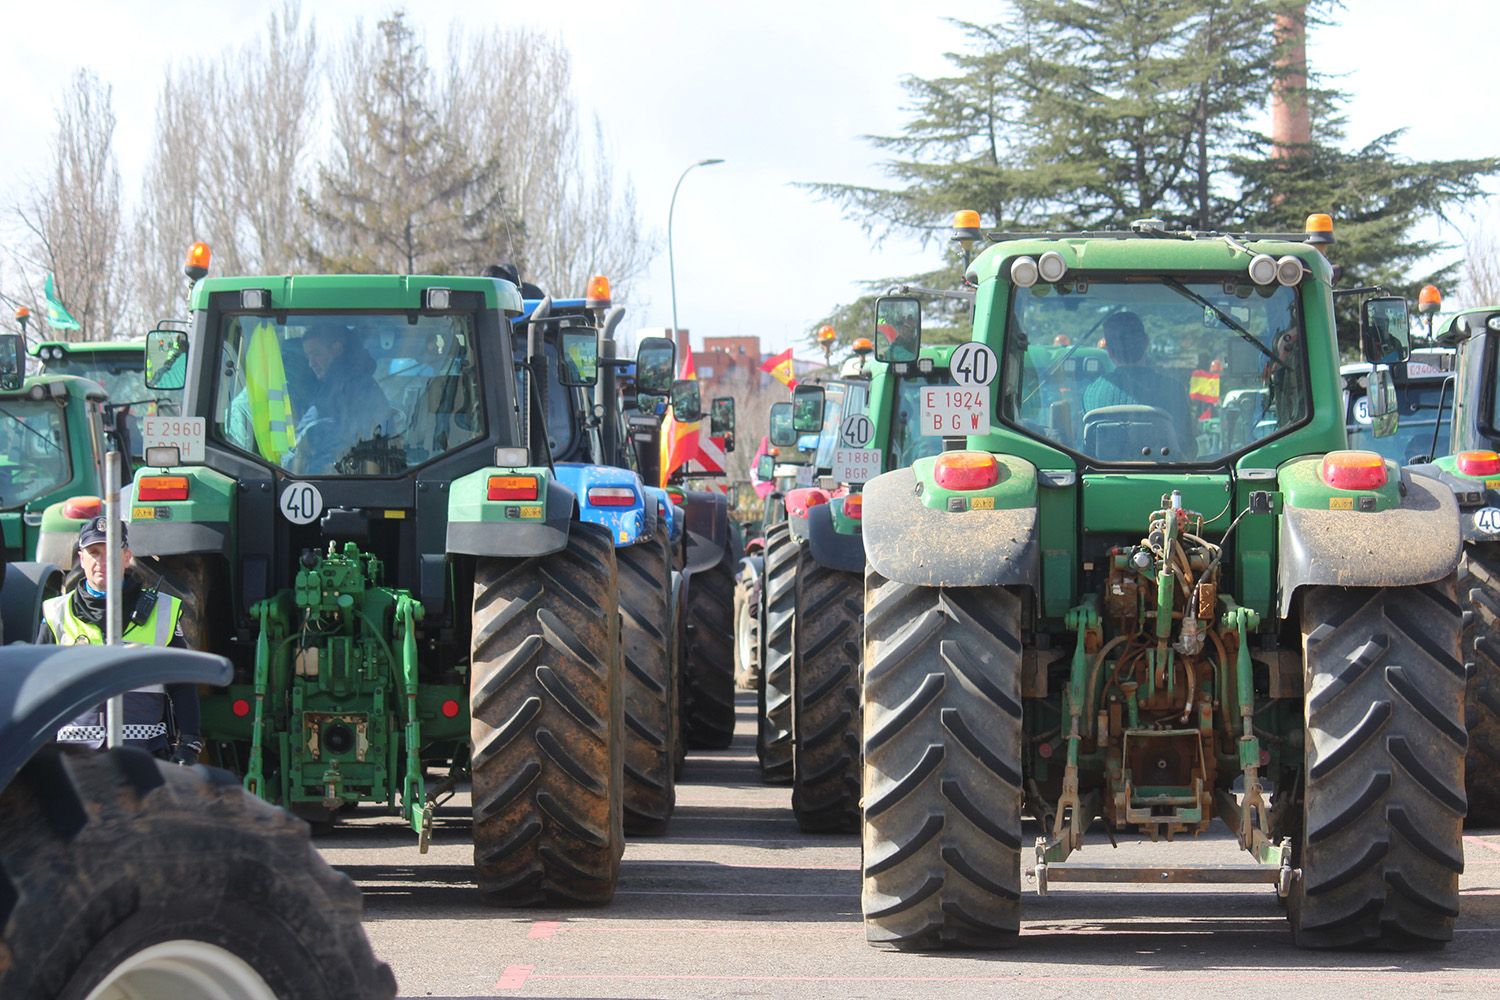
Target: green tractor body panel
[120, 368]
[1137, 528]
[341, 584]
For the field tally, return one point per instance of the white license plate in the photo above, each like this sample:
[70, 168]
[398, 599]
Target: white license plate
[953, 411]
[855, 465]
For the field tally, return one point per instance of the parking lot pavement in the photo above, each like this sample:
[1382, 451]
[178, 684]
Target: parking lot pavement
[735, 902]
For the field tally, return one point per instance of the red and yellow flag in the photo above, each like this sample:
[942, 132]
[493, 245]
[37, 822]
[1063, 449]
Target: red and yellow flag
[1204, 386]
[780, 368]
[679, 441]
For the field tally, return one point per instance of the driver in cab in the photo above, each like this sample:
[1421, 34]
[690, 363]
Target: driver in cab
[1133, 382]
[347, 405]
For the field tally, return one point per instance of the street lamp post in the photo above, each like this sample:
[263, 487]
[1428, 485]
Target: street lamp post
[671, 261]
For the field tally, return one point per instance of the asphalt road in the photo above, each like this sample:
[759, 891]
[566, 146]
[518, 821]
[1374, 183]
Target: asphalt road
[734, 902]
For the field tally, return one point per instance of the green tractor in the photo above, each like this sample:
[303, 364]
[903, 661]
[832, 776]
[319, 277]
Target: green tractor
[403, 587]
[816, 585]
[120, 368]
[1471, 467]
[1107, 603]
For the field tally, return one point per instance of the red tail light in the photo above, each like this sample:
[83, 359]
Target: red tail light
[512, 488]
[966, 470]
[1354, 470]
[240, 707]
[162, 488]
[854, 506]
[449, 708]
[611, 496]
[1479, 463]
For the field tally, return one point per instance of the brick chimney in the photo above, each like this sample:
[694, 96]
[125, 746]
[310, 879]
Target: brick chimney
[1291, 123]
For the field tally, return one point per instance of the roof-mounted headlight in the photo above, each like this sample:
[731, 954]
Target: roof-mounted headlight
[1289, 270]
[1023, 272]
[1051, 266]
[1262, 269]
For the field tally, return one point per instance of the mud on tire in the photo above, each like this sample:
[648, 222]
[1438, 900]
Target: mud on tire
[708, 663]
[942, 765]
[103, 855]
[825, 694]
[650, 706]
[1381, 847]
[1479, 594]
[546, 698]
[778, 607]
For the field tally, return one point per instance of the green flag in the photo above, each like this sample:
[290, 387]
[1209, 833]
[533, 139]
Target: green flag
[58, 318]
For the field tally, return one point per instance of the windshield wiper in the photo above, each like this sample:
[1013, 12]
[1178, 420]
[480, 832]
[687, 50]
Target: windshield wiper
[48, 441]
[1223, 316]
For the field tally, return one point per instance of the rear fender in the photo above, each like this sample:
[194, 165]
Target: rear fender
[199, 524]
[908, 541]
[829, 546]
[43, 687]
[26, 586]
[627, 524]
[707, 516]
[1412, 537]
[479, 526]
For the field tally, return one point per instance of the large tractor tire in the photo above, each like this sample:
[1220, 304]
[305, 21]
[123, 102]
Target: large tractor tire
[547, 701]
[708, 666]
[650, 711]
[942, 766]
[1479, 593]
[1382, 834]
[778, 610]
[122, 876]
[825, 693]
[746, 637]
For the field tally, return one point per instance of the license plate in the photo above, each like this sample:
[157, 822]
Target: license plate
[952, 411]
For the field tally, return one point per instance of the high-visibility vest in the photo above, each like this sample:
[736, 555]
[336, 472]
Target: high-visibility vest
[145, 707]
[270, 405]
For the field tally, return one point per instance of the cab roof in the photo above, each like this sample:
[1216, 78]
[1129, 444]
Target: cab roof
[90, 346]
[359, 291]
[1142, 253]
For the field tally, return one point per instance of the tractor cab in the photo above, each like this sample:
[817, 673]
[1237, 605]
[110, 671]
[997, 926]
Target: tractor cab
[120, 368]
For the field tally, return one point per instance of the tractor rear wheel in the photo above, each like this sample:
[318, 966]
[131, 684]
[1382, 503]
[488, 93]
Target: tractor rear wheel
[650, 713]
[1382, 835]
[708, 666]
[1479, 593]
[547, 707]
[942, 766]
[746, 637]
[825, 688]
[778, 608]
[132, 877]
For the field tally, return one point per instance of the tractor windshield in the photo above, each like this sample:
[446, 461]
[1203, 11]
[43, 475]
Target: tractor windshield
[906, 442]
[339, 394]
[841, 399]
[566, 436]
[33, 451]
[1154, 369]
[1417, 408]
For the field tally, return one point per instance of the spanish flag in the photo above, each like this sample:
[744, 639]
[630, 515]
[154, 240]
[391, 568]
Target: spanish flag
[781, 368]
[1204, 387]
[679, 441]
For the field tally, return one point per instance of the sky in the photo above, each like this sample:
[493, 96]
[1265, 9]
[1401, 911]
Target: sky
[783, 92]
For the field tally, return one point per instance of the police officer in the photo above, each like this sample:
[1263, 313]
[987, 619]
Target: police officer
[161, 720]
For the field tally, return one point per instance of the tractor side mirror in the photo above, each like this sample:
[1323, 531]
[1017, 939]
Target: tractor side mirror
[898, 328]
[765, 468]
[579, 357]
[1380, 391]
[1385, 330]
[783, 434]
[721, 416]
[655, 362]
[166, 359]
[687, 400]
[807, 409]
[12, 361]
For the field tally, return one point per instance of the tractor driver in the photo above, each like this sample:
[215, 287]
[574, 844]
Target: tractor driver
[347, 406]
[162, 720]
[1133, 382]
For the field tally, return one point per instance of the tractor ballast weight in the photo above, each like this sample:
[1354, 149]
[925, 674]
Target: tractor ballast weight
[375, 572]
[1118, 605]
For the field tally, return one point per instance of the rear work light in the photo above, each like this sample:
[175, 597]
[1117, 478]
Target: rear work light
[162, 488]
[83, 508]
[512, 488]
[1354, 470]
[1479, 463]
[611, 496]
[854, 506]
[966, 470]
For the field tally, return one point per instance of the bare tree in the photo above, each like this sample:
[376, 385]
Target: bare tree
[71, 222]
[230, 153]
[509, 93]
[1481, 275]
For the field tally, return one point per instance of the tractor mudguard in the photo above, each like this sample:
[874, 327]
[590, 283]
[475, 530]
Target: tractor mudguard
[1416, 542]
[798, 502]
[26, 586]
[828, 547]
[201, 523]
[625, 522]
[43, 687]
[707, 528]
[481, 527]
[1478, 498]
[911, 543]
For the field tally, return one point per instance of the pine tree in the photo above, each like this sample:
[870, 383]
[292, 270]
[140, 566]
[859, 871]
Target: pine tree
[402, 195]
